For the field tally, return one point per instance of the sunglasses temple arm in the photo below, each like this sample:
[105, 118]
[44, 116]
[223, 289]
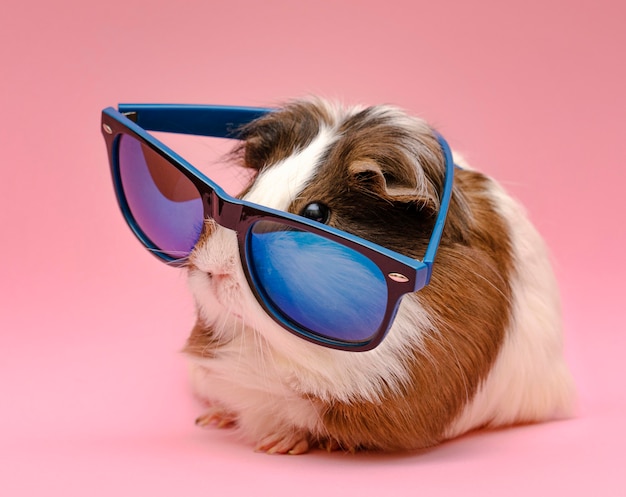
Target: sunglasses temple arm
[435, 238]
[202, 120]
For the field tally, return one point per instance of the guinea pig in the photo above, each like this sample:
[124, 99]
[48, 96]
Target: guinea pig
[479, 346]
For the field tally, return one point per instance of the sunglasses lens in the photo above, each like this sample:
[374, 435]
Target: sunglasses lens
[165, 205]
[319, 285]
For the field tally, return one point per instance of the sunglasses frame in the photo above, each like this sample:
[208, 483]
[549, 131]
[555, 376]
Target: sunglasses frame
[402, 274]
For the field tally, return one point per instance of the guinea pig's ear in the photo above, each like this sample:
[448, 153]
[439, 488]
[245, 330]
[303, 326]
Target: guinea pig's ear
[396, 188]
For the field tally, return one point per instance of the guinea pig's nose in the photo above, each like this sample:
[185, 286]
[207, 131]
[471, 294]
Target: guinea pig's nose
[216, 253]
[218, 270]
[216, 275]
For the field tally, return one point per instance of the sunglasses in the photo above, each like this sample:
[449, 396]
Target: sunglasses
[320, 283]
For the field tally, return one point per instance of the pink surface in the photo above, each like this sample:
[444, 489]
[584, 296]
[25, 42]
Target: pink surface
[93, 395]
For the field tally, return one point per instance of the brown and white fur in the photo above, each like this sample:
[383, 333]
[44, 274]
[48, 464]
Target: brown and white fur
[480, 346]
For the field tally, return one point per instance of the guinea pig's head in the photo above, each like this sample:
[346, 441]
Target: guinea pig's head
[374, 172]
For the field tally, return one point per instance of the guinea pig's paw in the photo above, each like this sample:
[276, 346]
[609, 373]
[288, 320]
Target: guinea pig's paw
[294, 442]
[217, 416]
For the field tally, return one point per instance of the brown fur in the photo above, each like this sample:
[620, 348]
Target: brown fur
[446, 373]
[201, 341]
[278, 135]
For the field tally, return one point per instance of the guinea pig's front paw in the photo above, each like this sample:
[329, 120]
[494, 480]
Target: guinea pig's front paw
[294, 442]
[217, 416]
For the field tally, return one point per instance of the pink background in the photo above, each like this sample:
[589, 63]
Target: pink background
[93, 394]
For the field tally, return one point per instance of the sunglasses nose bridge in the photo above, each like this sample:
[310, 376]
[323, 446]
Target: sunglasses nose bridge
[226, 214]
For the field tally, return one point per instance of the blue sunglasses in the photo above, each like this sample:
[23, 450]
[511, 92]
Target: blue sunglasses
[320, 283]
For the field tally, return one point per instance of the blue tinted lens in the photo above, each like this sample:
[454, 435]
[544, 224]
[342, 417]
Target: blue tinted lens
[164, 203]
[317, 284]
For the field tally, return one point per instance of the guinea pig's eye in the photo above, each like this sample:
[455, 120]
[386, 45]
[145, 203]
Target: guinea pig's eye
[317, 212]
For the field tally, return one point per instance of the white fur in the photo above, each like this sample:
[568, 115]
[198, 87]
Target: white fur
[529, 381]
[278, 185]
